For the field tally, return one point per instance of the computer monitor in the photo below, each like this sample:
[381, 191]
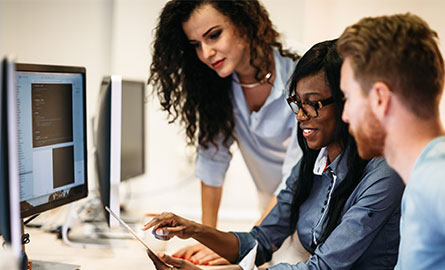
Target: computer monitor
[52, 148]
[108, 144]
[133, 129]
[119, 138]
[10, 223]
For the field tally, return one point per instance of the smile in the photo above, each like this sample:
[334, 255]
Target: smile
[307, 132]
[218, 63]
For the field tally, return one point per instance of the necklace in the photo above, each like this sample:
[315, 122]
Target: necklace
[255, 84]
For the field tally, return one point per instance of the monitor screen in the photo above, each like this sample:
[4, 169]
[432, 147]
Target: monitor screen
[133, 129]
[51, 111]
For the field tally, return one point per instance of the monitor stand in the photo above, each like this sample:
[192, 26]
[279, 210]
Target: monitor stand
[97, 237]
[43, 265]
[83, 242]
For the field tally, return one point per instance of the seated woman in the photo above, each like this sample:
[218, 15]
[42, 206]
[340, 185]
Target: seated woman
[346, 210]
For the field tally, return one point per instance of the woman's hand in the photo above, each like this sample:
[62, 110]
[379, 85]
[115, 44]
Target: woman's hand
[162, 262]
[168, 225]
[200, 254]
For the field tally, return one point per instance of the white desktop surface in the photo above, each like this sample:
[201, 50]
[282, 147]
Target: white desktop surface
[127, 254]
[123, 253]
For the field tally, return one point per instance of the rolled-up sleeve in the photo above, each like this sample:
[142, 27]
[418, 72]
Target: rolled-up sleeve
[246, 242]
[212, 163]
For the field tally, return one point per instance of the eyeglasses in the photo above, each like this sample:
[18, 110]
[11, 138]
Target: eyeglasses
[310, 109]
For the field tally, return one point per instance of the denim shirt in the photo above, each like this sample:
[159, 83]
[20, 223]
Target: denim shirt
[367, 236]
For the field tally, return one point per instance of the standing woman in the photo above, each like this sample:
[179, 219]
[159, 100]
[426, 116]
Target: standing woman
[219, 68]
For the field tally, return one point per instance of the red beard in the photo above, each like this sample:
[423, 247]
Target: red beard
[370, 136]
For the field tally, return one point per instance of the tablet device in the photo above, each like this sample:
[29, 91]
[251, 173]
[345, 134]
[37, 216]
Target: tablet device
[149, 250]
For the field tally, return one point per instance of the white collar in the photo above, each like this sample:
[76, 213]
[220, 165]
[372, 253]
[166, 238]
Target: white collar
[320, 162]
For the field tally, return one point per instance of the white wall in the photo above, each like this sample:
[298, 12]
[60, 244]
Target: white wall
[61, 32]
[64, 32]
[327, 19]
[115, 36]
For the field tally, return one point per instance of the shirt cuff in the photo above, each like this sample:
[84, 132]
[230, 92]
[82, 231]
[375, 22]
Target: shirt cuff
[246, 243]
[248, 262]
[211, 172]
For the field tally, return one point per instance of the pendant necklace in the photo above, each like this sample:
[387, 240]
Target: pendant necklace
[255, 84]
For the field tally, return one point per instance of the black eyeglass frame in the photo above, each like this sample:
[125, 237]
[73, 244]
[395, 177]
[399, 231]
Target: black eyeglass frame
[316, 105]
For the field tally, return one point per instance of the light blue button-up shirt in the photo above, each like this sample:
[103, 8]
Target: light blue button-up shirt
[422, 227]
[266, 138]
[367, 236]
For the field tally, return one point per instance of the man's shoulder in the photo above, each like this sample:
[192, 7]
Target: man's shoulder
[429, 176]
[433, 153]
[427, 180]
[431, 163]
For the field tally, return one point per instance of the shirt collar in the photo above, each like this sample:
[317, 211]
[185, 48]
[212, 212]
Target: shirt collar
[339, 166]
[278, 87]
[320, 162]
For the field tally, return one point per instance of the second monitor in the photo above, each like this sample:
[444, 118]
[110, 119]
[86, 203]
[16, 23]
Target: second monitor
[119, 137]
[133, 129]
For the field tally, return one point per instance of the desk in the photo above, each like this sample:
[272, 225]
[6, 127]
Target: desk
[121, 254]
[177, 195]
[128, 254]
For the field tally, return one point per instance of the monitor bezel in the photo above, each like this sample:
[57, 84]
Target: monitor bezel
[81, 191]
[108, 167]
[10, 183]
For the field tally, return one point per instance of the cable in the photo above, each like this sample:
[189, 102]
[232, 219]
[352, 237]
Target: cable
[25, 239]
[30, 219]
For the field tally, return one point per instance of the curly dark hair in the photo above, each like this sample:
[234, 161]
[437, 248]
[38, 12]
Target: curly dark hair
[191, 91]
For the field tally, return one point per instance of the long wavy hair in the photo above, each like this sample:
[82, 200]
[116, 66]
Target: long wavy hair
[323, 57]
[189, 90]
